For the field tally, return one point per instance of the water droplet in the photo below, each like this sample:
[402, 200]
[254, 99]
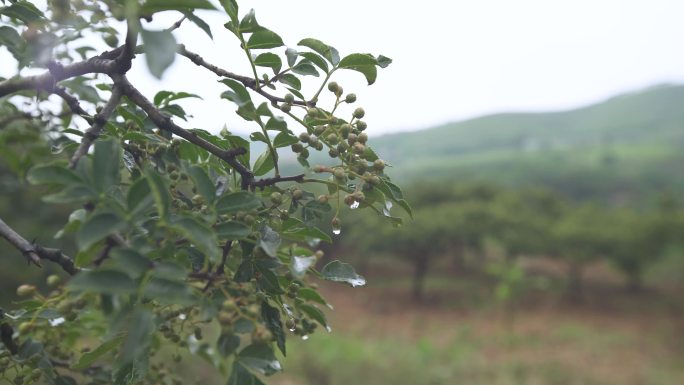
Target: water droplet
[387, 208]
[337, 231]
[354, 205]
[182, 316]
[56, 321]
[304, 338]
[328, 328]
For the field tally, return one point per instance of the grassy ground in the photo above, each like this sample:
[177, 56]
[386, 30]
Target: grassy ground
[380, 337]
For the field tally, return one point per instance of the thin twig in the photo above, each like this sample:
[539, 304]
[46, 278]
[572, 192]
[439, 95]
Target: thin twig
[34, 252]
[95, 129]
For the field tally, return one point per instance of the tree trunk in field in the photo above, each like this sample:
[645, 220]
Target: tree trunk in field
[420, 267]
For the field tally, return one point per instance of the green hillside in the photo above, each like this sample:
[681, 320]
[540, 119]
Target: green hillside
[624, 148]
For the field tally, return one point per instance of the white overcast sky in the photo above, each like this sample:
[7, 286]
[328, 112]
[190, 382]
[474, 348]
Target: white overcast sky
[452, 59]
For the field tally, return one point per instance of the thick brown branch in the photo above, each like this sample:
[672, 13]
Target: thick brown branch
[47, 80]
[165, 123]
[34, 253]
[245, 80]
[96, 128]
[261, 183]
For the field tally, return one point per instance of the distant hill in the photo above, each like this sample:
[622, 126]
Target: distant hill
[624, 148]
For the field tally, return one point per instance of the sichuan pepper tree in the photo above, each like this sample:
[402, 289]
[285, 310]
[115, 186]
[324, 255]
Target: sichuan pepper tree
[178, 232]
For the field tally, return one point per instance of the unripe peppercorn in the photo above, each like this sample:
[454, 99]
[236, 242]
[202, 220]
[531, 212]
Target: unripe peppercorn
[318, 168]
[349, 200]
[285, 107]
[359, 113]
[297, 194]
[319, 254]
[276, 198]
[351, 139]
[26, 290]
[333, 139]
[359, 148]
[289, 98]
[333, 153]
[323, 198]
[312, 112]
[361, 125]
[379, 165]
[345, 129]
[363, 137]
[197, 199]
[350, 98]
[304, 153]
[374, 180]
[249, 219]
[297, 147]
[318, 131]
[339, 173]
[304, 137]
[333, 86]
[359, 196]
[25, 327]
[318, 146]
[53, 280]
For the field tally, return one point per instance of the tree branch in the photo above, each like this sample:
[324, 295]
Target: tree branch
[262, 183]
[34, 252]
[95, 129]
[245, 80]
[164, 122]
[47, 80]
[73, 104]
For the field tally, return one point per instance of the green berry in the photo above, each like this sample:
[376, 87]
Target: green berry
[297, 147]
[318, 131]
[304, 137]
[53, 280]
[26, 290]
[285, 107]
[339, 173]
[333, 87]
[379, 165]
[276, 198]
[333, 139]
[359, 113]
[350, 98]
[361, 125]
[363, 137]
[289, 98]
[323, 198]
[333, 153]
[297, 194]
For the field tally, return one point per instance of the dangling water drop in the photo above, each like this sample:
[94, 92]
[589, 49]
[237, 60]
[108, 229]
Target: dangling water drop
[337, 231]
[306, 337]
[354, 205]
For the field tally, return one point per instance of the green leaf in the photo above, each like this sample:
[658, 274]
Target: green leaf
[249, 23]
[152, 6]
[364, 63]
[72, 194]
[133, 359]
[231, 8]
[98, 227]
[312, 295]
[139, 195]
[260, 358]
[269, 240]
[103, 281]
[305, 67]
[52, 174]
[90, 357]
[169, 292]
[337, 271]
[237, 201]
[284, 139]
[263, 164]
[295, 229]
[240, 96]
[290, 80]
[160, 50]
[199, 22]
[130, 262]
[199, 235]
[11, 39]
[328, 52]
[384, 61]
[271, 317]
[202, 182]
[269, 59]
[264, 39]
[160, 191]
[276, 123]
[227, 344]
[315, 59]
[106, 161]
[291, 55]
[232, 230]
[313, 211]
[24, 11]
[315, 314]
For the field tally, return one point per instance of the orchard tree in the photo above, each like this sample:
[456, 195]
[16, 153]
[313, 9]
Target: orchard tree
[186, 242]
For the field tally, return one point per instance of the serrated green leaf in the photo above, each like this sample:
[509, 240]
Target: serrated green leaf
[263, 164]
[232, 230]
[103, 281]
[52, 174]
[199, 235]
[269, 59]
[202, 182]
[98, 227]
[237, 201]
[160, 50]
[90, 357]
[160, 191]
[106, 163]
